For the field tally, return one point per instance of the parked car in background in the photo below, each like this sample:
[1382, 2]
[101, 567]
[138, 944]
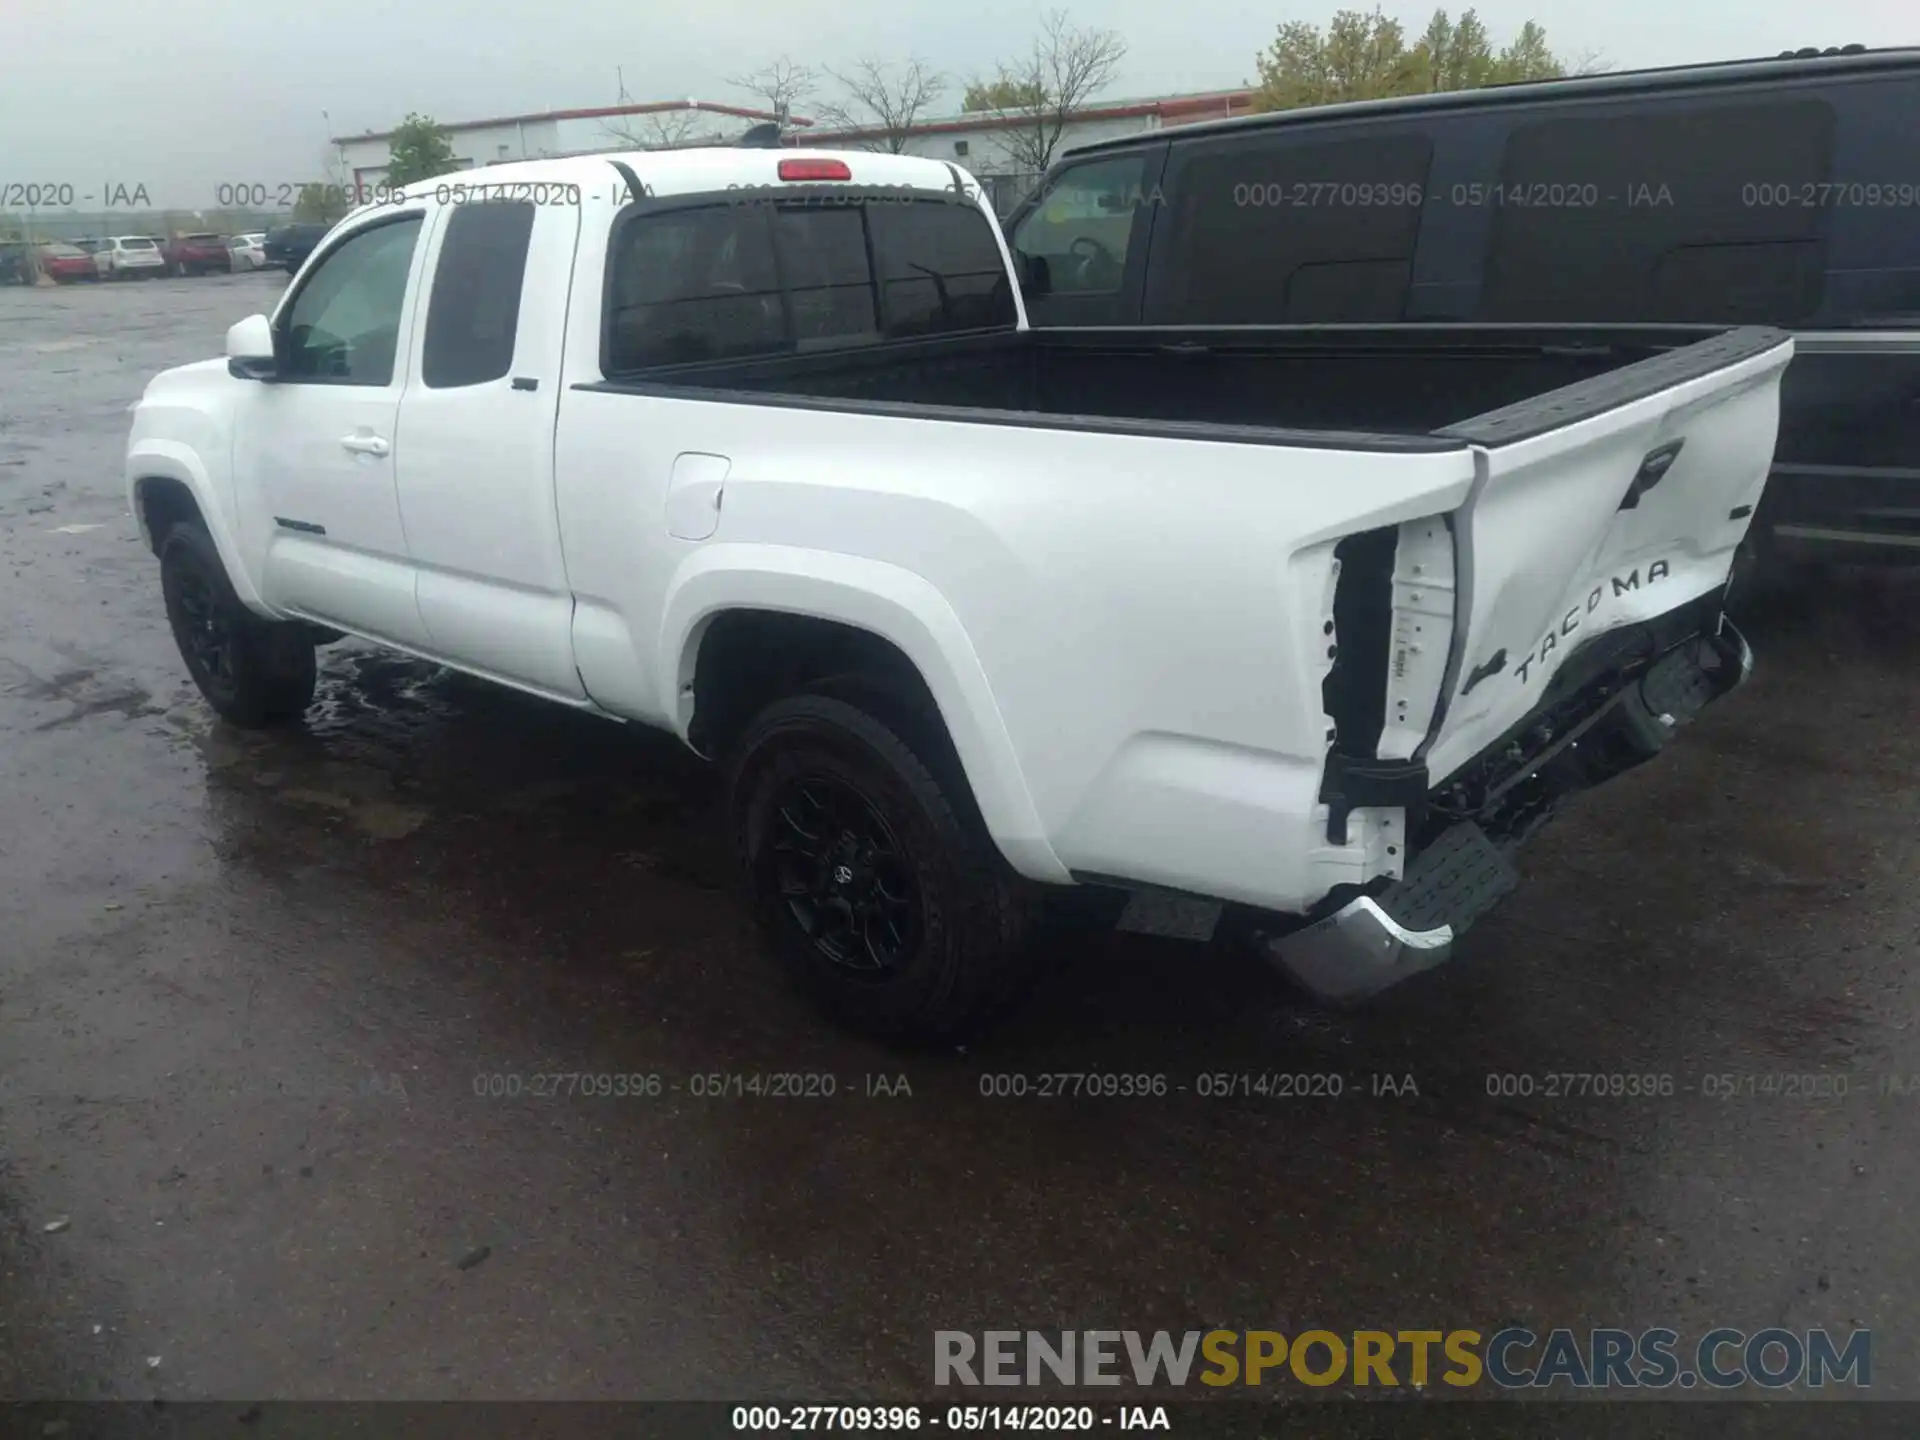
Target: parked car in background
[102, 252]
[247, 252]
[67, 262]
[198, 253]
[15, 266]
[135, 256]
[290, 245]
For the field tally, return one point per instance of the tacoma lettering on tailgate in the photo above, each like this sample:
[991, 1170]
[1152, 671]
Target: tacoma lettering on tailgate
[1570, 622]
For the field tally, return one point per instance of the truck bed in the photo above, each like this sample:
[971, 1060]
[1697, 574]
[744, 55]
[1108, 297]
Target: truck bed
[1370, 386]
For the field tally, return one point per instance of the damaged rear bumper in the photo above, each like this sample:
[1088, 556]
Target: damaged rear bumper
[1411, 924]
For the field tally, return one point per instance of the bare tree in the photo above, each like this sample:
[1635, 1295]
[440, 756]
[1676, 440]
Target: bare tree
[1068, 66]
[885, 100]
[657, 130]
[782, 84]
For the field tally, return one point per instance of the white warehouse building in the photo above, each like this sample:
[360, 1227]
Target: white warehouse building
[977, 141]
[562, 132]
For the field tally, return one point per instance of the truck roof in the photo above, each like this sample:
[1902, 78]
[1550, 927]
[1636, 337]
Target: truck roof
[1799, 65]
[700, 170]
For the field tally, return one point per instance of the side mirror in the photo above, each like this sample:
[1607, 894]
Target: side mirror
[1036, 275]
[250, 349]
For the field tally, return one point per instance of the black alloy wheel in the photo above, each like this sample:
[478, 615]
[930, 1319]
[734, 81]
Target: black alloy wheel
[252, 670]
[872, 878]
[206, 632]
[842, 874]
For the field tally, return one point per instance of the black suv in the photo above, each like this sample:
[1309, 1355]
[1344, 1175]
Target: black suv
[15, 268]
[1782, 191]
[290, 245]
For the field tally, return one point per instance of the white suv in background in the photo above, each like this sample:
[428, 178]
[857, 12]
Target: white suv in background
[133, 256]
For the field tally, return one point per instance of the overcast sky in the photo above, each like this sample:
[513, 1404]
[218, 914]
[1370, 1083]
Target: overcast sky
[182, 95]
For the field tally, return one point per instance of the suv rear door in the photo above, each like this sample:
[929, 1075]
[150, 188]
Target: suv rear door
[1290, 224]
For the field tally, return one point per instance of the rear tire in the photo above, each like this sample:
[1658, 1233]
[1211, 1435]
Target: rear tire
[253, 672]
[884, 904]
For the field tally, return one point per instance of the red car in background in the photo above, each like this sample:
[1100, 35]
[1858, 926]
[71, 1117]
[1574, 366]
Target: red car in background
[197, 253]
[68, 262]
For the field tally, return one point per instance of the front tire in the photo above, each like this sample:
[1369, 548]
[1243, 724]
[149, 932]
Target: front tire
[884, 901]
[253, 672]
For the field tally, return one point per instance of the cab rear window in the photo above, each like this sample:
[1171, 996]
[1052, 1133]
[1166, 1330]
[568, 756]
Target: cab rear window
[729, 281]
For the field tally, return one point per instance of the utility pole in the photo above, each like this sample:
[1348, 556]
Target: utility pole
[30, 257]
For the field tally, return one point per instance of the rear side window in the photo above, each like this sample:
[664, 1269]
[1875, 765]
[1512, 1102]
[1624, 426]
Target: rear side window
[1290, 230]
[1708, 213]
[745, 279]
[473, 312]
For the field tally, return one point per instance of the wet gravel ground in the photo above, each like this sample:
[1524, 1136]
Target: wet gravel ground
[255, 991]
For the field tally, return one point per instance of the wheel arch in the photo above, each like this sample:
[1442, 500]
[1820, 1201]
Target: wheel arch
[733, 605]
[169, 484]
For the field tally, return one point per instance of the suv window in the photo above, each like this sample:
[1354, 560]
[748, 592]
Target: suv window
[473, 314]
[703, 283]
[1294, 229]
[1707, 212]
[344, 324]
[1081, 225]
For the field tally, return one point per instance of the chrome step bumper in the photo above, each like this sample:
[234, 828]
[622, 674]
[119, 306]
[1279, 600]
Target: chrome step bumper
[1411, 924]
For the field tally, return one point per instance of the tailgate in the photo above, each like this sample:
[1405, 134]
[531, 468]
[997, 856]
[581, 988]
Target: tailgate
[1602, 504]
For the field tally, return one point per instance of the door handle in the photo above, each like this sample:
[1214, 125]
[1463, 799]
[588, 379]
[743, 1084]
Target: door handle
[365, 444]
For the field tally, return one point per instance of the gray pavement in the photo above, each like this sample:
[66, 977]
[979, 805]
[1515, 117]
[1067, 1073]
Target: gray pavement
[254, 989]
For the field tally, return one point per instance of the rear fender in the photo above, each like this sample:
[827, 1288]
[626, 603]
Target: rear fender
[894, 604]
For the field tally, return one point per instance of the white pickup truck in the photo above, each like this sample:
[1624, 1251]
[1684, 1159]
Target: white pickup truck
[755, 445]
